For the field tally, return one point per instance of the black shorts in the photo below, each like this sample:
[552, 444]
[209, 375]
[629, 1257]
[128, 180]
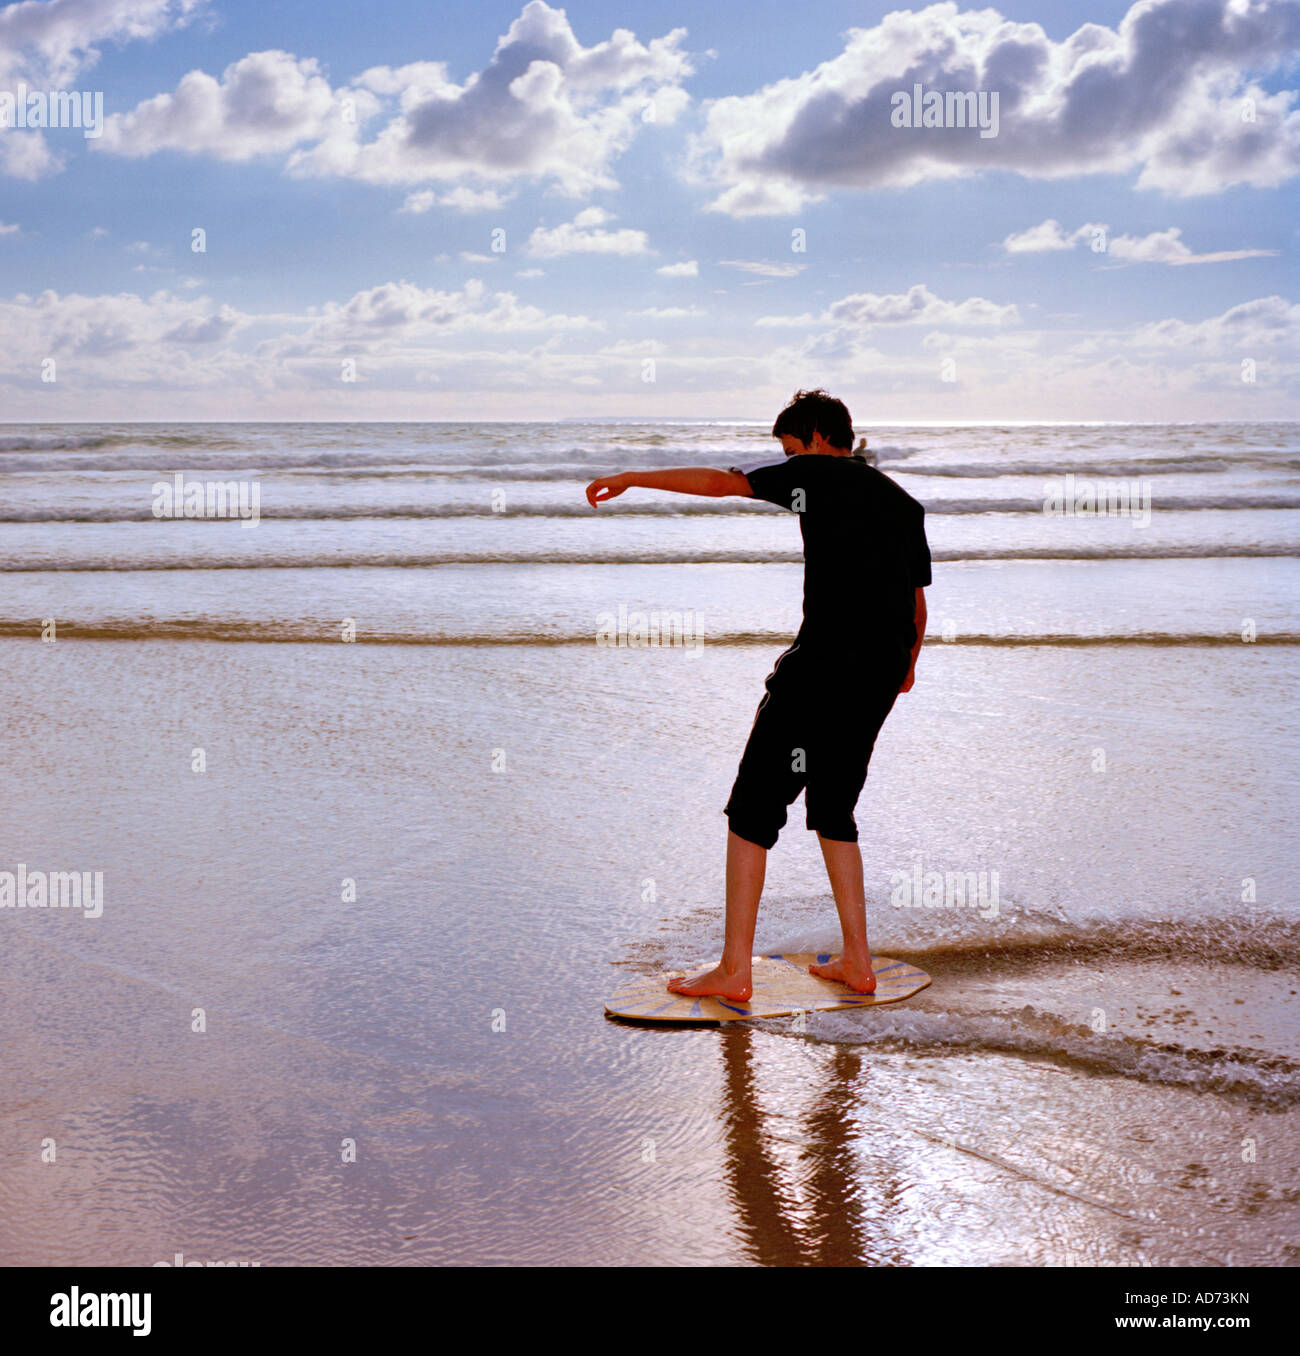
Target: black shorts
[814, 732]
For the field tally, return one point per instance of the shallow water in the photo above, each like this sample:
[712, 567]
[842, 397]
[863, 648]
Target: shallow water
[1105, 1071]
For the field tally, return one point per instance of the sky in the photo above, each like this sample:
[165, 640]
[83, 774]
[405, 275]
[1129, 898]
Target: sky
[317, 210]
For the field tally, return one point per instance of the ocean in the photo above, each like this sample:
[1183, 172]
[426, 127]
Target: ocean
[379, 821]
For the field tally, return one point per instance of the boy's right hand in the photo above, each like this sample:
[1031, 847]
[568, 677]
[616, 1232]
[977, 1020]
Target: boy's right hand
[607, 487]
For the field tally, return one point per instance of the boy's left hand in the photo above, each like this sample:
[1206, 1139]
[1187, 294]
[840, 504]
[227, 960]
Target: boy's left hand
[607, 487]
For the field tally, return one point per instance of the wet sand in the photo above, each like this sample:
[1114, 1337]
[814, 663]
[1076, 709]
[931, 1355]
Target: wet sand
[987, 1121]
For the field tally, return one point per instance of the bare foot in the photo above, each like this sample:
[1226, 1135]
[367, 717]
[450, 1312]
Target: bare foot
[856, 973]
[719, 982]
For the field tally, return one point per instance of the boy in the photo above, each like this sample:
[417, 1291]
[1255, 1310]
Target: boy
[866, 567]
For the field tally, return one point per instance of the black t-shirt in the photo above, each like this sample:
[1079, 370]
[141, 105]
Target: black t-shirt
[865, 552]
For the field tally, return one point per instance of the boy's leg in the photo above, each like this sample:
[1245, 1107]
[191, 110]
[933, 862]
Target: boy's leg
[837, 770]
[853, 965]
[746, 868]
[767, 780]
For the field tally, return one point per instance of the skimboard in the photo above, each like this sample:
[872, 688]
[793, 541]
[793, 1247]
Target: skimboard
[782, 987]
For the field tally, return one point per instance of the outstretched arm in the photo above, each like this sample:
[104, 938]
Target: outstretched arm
[705, 480]
[920, 635]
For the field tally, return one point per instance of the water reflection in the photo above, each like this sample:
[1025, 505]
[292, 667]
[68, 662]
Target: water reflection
[827, 1206]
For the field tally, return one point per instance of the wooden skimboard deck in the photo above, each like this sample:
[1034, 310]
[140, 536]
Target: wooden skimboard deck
[782, 987]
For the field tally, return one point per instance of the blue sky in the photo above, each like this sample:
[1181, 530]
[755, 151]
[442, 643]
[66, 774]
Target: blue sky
[522, 211]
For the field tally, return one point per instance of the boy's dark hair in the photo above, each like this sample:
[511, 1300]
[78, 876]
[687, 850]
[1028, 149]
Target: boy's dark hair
[815, 412]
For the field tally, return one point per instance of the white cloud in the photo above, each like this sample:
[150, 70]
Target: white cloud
[218, 326]
[462, 198]
[1263, 323]
[544, 107]
[843, 328]
[267, 102]
[530, 273]
[165, 342]
[49, 45]
[421, 350]
[8, 228]
[1160, 247]
[466, 199]
[403, 311]
[27, 155]
[1165, 247]
[669, 312]
[689, 269]
[584, 235]
[918, 305]
[91, 327]
[1047, 235]
[1163, 94]
[762, 269]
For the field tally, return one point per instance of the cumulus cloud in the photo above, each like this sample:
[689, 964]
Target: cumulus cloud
[404, 311]
[585, 235]
[1263, 323]
[1047, 235]
[544, 108]
[918, 305]
[1166, 93]
[49, 45]
[100, 326]
[1159, 247]
[265, 102]
[689, 269]
[165, 347]
[27, 155]
[844, 332]
[167, 356]
[220, 325]
[1166, 247]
